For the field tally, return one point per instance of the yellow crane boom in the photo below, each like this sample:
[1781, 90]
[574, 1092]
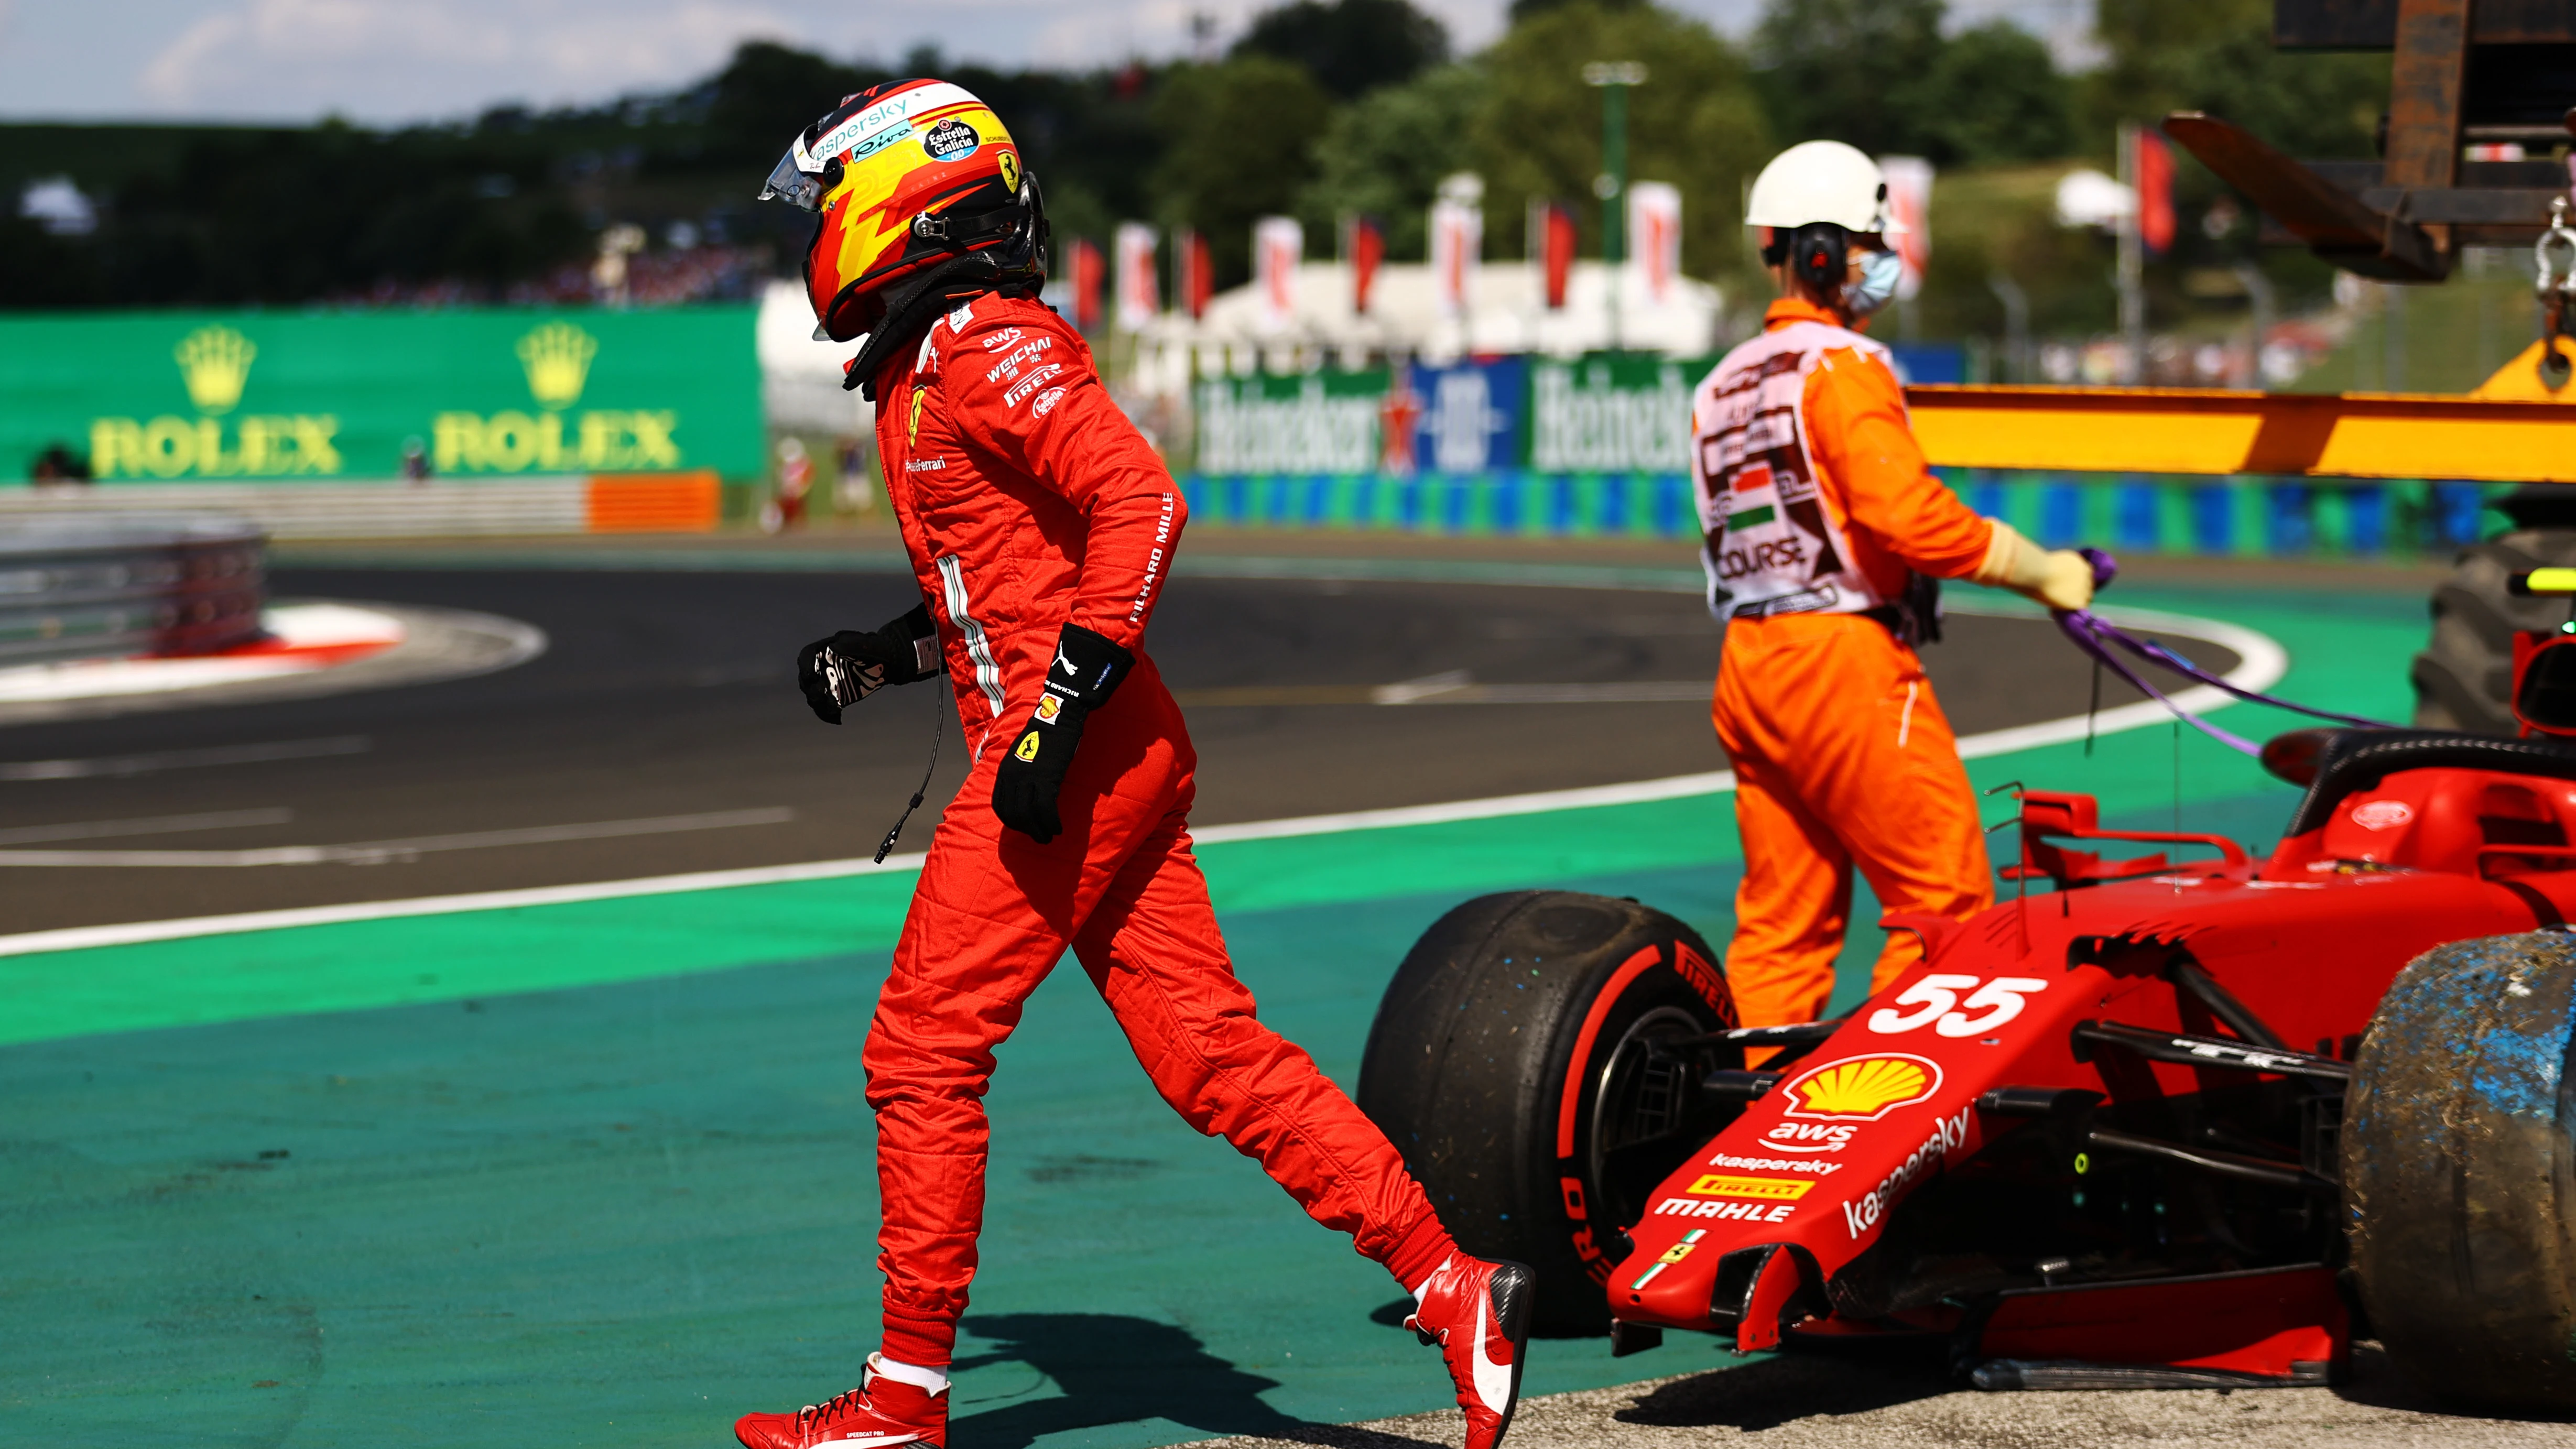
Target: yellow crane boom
[2505, 432]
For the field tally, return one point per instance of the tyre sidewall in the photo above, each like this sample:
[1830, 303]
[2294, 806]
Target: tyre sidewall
[1473, 1054]
[1660, 979]
[2459, 1171]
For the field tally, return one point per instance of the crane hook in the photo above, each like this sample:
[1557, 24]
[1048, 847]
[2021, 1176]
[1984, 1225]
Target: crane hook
[2554, 258]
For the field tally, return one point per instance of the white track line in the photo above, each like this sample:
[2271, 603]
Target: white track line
[130, 933]
[1630, 691]
[1410, 691]
[146, 825]
[1457, 686]
[2261, 663]
[124, 765]
[380, 852]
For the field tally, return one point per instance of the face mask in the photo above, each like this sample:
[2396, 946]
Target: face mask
[1879, 274]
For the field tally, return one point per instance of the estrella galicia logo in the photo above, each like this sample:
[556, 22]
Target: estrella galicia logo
[950, 140]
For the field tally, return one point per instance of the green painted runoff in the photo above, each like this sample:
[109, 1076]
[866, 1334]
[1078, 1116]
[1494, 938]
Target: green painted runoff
[601, 1173]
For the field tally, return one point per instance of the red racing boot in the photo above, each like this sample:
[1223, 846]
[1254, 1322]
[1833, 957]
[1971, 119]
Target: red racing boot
[881, 1413]
[1479, 1314]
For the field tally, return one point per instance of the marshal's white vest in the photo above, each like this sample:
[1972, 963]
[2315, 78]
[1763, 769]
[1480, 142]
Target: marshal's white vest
[1770, 544]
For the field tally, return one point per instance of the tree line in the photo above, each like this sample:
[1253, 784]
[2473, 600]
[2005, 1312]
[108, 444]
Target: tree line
[1322, 108]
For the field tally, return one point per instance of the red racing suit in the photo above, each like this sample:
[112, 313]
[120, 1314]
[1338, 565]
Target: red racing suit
[1027, 500]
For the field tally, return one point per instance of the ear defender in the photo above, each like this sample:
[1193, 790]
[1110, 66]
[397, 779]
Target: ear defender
[1818, 251]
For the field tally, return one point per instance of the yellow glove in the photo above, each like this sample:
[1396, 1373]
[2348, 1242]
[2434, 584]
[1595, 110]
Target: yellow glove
[2060, 578]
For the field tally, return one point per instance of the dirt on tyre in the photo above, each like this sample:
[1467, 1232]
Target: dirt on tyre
[1536, 1060]
[2459, 1172]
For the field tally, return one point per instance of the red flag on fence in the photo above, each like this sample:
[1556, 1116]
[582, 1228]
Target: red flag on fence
[1087, 274]
[2154, 170]
[1195, 284]
[1551, 245]
[1367, 248]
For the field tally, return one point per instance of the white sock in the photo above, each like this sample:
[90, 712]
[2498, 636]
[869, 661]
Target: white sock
[1426, 1283]
[928, 1380]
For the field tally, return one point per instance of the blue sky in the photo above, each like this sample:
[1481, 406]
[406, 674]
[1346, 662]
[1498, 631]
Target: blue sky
[403, 60]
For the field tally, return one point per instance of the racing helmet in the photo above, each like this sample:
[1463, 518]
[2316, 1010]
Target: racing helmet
[904, 178]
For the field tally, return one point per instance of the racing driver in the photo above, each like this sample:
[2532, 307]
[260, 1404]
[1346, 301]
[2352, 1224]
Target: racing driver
[1041, 528]
[1824, 532]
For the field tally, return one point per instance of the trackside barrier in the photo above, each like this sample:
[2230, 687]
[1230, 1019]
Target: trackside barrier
[93, 587]
[689, 502]
[2209, 517]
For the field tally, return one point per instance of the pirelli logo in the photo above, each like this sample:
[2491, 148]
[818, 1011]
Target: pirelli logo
[1765, 1189]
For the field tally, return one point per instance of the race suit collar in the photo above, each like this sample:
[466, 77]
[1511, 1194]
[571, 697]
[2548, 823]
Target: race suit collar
[1785, 310]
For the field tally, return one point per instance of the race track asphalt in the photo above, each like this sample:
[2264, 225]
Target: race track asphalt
[665, 704]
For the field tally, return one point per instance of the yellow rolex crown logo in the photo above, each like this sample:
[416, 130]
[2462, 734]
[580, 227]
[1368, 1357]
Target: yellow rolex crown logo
[215, 363]
[557, 356]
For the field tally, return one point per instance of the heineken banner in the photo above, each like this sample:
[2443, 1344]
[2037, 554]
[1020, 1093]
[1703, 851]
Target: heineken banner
[1323, 422]
[1593, 415]
[1622, 414]
[287, 397]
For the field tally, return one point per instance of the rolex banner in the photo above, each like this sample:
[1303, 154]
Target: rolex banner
[288, 397]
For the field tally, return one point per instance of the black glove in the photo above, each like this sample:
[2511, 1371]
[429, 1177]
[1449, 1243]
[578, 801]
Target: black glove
[838, 672]
[1086, 671]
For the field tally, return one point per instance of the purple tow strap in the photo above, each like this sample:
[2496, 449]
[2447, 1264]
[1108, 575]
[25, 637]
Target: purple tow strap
[2096, 637]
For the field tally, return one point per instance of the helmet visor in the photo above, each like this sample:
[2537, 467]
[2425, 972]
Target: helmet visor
[796, 181]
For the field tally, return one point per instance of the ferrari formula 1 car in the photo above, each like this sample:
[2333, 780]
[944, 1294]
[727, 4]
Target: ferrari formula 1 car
[2161, 1125]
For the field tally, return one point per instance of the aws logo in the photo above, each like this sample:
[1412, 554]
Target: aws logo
[1806, 1137]
[555, 357]
[215, 364]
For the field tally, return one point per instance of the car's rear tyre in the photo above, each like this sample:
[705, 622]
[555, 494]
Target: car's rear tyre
[2464, 675]
[2459, 1171]
[1515, 1063]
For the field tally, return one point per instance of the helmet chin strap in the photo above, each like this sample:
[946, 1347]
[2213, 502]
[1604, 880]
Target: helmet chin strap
[913, 306]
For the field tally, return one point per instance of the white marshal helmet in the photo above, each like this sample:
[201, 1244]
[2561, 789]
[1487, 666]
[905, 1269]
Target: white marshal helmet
[1821, 181]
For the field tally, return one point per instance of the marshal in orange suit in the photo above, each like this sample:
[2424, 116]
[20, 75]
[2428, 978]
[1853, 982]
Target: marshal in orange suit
[1824, 529]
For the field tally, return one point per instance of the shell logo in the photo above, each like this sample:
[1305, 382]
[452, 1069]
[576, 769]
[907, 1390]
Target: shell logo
[1863, 1089]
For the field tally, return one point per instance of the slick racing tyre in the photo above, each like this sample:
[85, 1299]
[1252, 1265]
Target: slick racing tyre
[1529, 1061]
[2459, 1171]
[2463, 677]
